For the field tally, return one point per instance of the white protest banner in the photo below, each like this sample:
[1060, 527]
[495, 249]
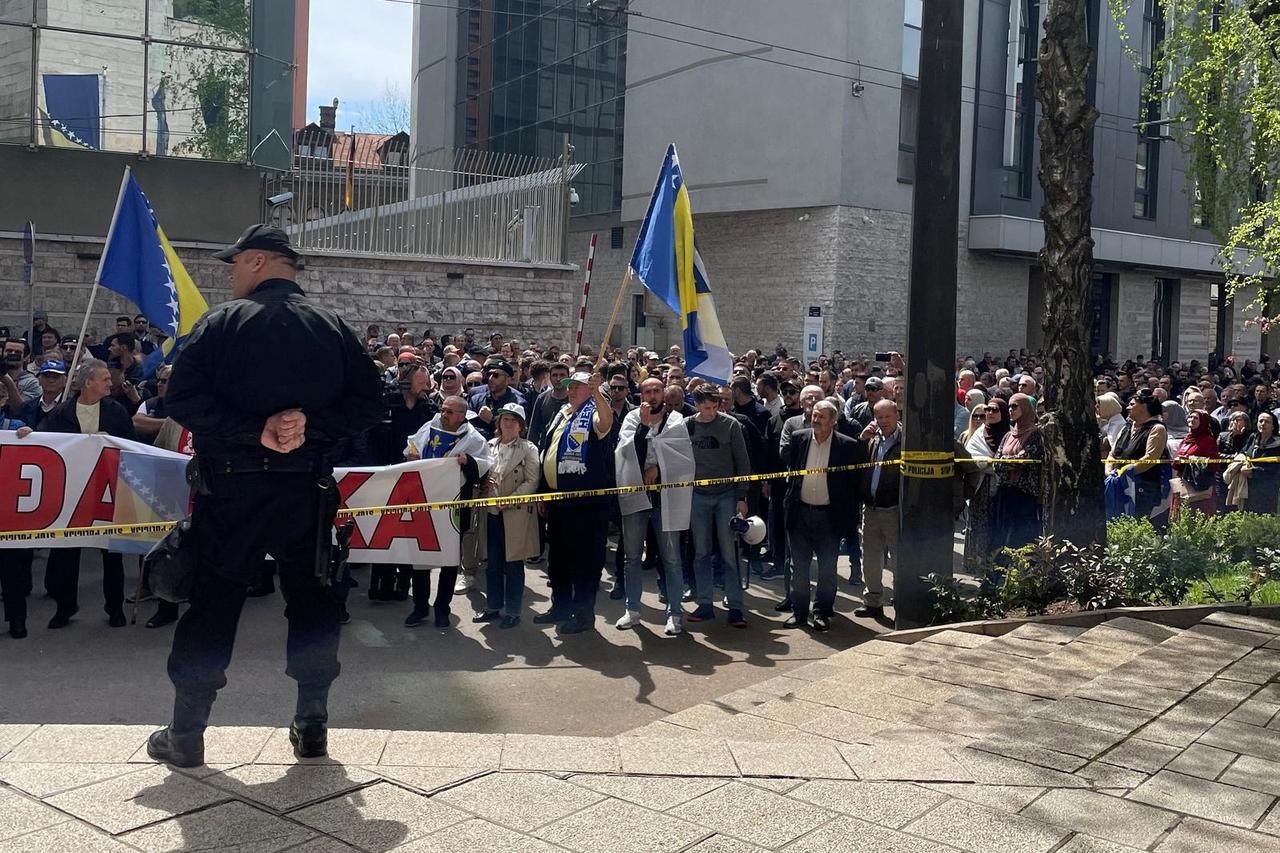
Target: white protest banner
[51, 481]
[417, 538]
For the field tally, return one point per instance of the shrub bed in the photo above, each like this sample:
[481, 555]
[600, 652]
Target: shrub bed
[1199, 559]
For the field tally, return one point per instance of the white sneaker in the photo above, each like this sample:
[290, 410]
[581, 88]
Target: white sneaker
[464, 583]
[674, 626]
[630, 620]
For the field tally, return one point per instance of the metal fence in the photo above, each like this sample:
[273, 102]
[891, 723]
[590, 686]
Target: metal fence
[472, 205]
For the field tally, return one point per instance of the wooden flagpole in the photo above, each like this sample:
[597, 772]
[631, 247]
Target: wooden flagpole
[613, 318]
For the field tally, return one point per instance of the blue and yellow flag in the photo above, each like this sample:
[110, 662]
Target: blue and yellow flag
[666, 261]
[139, 263]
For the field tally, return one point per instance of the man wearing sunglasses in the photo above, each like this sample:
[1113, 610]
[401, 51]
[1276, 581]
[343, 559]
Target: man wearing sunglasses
[496, 391]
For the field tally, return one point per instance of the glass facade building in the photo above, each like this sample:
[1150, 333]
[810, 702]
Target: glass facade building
[531, 71]
[178, 78]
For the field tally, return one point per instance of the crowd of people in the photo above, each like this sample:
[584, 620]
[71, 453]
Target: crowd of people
[1176, 438]
[524, 418]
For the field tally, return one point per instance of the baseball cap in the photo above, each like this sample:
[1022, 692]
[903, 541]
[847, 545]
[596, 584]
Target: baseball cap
[499, 364]
[40, 315]
[874, 383]
[407, 358]
[264, 237]
[514, 409]
[581, 378]
[52, 366]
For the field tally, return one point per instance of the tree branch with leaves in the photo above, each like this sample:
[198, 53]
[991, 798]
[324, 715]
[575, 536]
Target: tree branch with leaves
[1217, 75]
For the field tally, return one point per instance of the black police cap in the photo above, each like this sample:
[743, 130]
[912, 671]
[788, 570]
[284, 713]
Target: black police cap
[263, 237]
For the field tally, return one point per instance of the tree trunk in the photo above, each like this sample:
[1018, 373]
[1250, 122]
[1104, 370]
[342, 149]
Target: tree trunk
[1072, 486]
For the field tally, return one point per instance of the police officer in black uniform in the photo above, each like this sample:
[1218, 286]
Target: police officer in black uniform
[264, 435]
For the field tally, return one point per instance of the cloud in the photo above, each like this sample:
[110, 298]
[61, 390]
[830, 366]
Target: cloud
[357, 49]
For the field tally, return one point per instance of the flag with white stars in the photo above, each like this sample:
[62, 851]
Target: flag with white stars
[149, 487]
[140, 264]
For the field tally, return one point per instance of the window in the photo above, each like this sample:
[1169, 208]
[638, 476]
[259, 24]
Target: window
[909, 101]
[908, 113]
[1100, 296]
[1164, 306]
[615, 237]
[1020, 109]
[1147, 157]
[911, 38]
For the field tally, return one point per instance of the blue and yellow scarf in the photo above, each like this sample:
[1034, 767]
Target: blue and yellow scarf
[574, 441]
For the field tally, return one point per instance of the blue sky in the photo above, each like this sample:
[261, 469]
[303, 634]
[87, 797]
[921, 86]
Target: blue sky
[357, 48]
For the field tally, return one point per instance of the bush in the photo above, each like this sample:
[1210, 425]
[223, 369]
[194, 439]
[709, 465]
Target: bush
[1199, 560]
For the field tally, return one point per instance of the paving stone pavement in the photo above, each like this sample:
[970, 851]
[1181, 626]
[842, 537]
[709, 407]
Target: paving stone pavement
[1124, 737]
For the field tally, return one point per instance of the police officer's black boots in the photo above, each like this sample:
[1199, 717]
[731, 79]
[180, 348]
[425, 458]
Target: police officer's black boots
[176, 750]
[308, 732]
[310, 740]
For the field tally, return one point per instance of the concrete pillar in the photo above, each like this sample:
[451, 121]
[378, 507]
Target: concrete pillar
[1193, 338]
[1135, 305]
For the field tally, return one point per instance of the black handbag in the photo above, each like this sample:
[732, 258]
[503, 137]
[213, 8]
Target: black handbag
[171, 563]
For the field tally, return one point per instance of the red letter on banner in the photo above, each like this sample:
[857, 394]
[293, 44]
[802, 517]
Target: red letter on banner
[419, 527]
[348, 486]
[98, 503]
[53, 481]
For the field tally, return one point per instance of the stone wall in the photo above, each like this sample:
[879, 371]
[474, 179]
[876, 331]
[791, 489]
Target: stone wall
[525, 302]
[768, 267]
[1136, 297]
[1194, 336]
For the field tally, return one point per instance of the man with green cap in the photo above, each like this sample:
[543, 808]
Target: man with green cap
[578, 455]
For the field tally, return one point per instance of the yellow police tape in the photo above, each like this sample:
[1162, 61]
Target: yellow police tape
[915, 463]
[470, 503]
[928, 464]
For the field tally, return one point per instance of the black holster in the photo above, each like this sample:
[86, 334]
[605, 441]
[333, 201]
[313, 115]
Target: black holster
[333, 546]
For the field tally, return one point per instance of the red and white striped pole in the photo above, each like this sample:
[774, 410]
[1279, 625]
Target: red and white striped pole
[586, 289]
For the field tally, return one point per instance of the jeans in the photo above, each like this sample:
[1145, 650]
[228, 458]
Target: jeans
[634, 529]
[504, 579]
[712, 513]
[813, 535]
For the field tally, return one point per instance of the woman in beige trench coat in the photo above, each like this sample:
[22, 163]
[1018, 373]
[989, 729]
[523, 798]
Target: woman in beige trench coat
[508, 535]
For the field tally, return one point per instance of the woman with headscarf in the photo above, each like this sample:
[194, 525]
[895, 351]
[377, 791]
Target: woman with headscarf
[1264, 477]
[1175, 421]
[1111, 420]
[982, 443]
[1194, 483]
[1015, 506]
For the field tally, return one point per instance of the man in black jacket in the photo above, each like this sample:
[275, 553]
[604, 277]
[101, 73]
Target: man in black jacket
[264, 440]
[879, 490]
[819, 511]
[88, 411]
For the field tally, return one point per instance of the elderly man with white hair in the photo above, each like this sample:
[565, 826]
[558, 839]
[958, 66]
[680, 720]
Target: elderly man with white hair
[818, 510]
